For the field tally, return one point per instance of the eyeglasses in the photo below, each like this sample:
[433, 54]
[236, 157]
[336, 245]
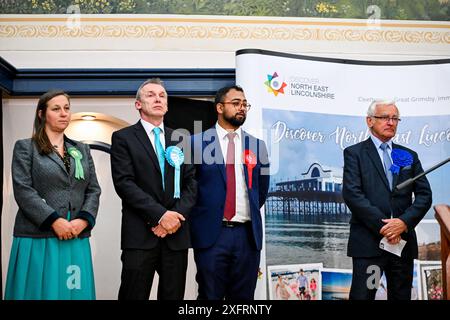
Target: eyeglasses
[386, 118]
[238, 104]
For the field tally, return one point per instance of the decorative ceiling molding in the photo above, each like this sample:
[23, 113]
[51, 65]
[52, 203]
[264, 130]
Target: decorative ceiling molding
[226, 29]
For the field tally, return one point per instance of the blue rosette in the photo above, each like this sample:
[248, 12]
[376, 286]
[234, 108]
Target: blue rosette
[400, 158]
[175, 158]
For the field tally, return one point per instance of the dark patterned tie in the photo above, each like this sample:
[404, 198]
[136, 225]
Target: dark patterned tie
[230, 200]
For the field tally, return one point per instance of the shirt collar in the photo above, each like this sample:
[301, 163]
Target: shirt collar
[149, 127]
[378, 142]
[221, 132]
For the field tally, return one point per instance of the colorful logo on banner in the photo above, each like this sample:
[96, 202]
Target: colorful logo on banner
[274, 84]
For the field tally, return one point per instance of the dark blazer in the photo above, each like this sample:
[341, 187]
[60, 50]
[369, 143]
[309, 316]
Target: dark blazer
[366, 193]
[44, 191]
[137, 180]
[207, 215]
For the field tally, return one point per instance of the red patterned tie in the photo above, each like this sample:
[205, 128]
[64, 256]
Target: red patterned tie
[230, 200]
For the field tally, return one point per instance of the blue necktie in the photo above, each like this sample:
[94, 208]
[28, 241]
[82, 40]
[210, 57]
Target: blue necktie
[159, 152]
[387, 163]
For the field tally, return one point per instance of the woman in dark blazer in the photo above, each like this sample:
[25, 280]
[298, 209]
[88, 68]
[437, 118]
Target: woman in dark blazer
[56, 189]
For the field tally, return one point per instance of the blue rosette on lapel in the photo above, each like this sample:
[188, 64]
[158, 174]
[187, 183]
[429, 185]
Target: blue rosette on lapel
[175, 158]
[400, 158]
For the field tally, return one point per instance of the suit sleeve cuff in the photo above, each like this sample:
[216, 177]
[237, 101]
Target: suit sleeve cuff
[159, 220]
[88, 217]
[406, 224]
[47, 224]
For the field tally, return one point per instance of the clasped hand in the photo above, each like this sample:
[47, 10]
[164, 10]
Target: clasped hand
[169, 223]
[393, 229]
[66, 230]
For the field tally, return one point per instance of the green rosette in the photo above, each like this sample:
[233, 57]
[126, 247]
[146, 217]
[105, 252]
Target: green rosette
[77, 156]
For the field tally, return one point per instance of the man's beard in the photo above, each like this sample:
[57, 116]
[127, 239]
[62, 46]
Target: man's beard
[234, 121]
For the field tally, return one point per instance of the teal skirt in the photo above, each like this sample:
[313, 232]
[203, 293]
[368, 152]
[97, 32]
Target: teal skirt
[50, 269]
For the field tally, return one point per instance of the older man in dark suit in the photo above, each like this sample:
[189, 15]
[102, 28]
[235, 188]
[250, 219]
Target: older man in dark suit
[155, 236]
[372, 169]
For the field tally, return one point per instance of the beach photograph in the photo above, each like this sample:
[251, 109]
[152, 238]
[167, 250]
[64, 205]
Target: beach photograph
[336, 283]
[295, 282]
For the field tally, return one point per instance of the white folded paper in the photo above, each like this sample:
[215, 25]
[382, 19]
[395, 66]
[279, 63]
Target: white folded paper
[392, 248]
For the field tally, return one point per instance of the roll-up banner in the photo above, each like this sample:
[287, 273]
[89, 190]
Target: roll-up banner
[308, 109]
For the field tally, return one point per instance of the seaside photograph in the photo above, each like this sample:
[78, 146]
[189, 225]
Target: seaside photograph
[295, 282]
[336, 283]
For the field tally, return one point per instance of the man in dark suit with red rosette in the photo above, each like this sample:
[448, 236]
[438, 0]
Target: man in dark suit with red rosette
[381, 215]
[232, 171]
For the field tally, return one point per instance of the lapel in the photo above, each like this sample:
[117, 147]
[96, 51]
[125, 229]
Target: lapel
[71, 143]
[58, 161]
[53, 156]
[216, 148]
[375, 158]
[143, 138]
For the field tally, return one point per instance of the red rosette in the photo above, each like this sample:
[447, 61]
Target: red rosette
[250, 162]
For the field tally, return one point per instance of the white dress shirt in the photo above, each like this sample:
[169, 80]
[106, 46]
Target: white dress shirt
[377, 142]
[242, 201]
[151, 135]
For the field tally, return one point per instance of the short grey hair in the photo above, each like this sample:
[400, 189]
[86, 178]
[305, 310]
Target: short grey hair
[146, 82]
[380, 102]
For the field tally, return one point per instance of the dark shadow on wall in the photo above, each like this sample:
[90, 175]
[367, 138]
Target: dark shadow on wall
[184, 112]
